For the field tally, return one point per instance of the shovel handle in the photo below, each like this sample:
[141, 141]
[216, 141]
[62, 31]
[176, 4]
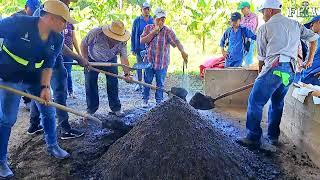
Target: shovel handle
[233, 91]
[53, 104]
[102, 64]
[124, 78]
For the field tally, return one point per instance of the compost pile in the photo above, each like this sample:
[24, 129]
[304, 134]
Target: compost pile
[172, 141]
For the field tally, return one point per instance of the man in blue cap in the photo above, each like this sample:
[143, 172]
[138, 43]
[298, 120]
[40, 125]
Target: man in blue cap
[29, 49]
[311, 75]
[30, 7]
[235, 38]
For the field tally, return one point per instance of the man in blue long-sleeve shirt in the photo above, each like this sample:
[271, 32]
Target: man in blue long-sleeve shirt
[235, 38]
[138, 26]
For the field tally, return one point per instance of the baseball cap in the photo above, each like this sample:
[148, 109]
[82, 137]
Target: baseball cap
[243, 4]
[235, 16]
[271, 4]
[313, 20]
[58, 8]
[33, 4]
[145, 5]
[159, 13]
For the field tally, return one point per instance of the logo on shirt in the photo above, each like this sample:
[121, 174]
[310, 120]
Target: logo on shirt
[52, 47]
[26, 37]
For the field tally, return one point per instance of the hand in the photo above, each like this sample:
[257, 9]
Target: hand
[156, 30]
[184, 56]
[128, 78]
[84, 62]
[45, 95]
[317, 75]
[308, 64]
[224, 53]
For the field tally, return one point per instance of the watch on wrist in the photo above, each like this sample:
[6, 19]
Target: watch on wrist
[44, 87]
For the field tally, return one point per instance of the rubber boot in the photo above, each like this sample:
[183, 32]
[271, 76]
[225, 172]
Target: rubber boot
[57, 152]
[5, 171]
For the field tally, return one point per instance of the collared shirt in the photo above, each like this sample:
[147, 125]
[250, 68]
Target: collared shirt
[250, 21]
[99, 46]
[22, 39]
[137, 29]
[236, 43]
[308, 74]
[279, 38]
[158, 50]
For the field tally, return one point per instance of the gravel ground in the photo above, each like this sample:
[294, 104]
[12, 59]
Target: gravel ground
[29, 160]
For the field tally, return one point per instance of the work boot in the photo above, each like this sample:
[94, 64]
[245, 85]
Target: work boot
[246, 142]
[5, 171]
[57, 152]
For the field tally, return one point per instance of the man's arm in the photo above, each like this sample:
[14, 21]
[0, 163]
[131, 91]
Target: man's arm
[45, 84]
[67, 52]
[222, 43]
[312, 51]
[250, 34]
[311, 37]
[147, 36]
[261, 46]
[84, 50]
[174, 41]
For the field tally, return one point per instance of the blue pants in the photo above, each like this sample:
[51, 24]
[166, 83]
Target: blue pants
[92, 90]
[69, 70]
[9, 106]
[139, 60]
[160, 76]
[248, 59]
[59, 87]
[267, 86]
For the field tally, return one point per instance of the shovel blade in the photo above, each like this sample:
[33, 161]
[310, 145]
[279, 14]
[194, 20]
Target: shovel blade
[180, 92]
[201, 102]
[142, 65]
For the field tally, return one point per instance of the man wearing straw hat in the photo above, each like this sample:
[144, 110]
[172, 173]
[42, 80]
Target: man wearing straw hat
[103, 44]
[28, 52]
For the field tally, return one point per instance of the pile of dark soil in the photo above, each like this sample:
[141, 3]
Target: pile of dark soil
[172, 141]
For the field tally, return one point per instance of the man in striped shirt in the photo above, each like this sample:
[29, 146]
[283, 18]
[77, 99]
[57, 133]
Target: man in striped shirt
[158, 39]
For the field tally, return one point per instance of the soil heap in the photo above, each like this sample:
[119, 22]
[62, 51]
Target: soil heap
[172, 141]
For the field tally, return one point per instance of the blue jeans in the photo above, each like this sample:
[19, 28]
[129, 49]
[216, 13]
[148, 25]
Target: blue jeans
[139, 60]
[59, 87]
[268, 86]
[69, 70]
[9, 107]
[248, 59]
[160, 76]
[92, 90]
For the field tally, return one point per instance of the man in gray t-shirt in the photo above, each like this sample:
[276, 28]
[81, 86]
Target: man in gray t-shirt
[278, 40]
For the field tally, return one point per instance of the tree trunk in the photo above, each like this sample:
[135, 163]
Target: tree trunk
[203, 42]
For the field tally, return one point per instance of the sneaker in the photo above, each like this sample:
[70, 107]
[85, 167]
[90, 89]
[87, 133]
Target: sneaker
[5, 171]
[117, 113]
[73, 133]
[246, 142]
[274, 142]
[57, 152]
[33, 129]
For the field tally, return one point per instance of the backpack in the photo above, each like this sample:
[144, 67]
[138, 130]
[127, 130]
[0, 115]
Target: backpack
[246, 42]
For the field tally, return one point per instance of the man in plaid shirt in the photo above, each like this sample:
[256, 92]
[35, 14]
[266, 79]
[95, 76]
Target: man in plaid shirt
[158, 39]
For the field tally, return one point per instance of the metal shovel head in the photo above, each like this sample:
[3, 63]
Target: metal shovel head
[180, 92]
[202, 102]
[142, 65]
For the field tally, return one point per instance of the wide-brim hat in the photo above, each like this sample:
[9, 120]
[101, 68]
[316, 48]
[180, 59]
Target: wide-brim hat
[116, 31]
[58, 8]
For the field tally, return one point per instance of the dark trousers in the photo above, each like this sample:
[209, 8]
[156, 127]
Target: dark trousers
[69, 76]
[92, 90]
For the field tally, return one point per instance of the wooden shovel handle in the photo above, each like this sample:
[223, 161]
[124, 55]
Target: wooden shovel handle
[233, 91]
[53, 104]
[124, 78]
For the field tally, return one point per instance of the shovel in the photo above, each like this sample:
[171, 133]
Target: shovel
[53, 104]
[137, 66]
[202, 102]
[175, 91]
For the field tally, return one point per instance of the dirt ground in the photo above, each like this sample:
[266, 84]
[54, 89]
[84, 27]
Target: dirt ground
[29, 160]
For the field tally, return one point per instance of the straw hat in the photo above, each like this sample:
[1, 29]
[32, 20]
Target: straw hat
[58, 8]
[116, 31]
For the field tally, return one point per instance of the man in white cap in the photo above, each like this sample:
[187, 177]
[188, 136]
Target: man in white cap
[158, 39]
[103, 44]
[277, 40]
[137, 28]
[29, 49]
